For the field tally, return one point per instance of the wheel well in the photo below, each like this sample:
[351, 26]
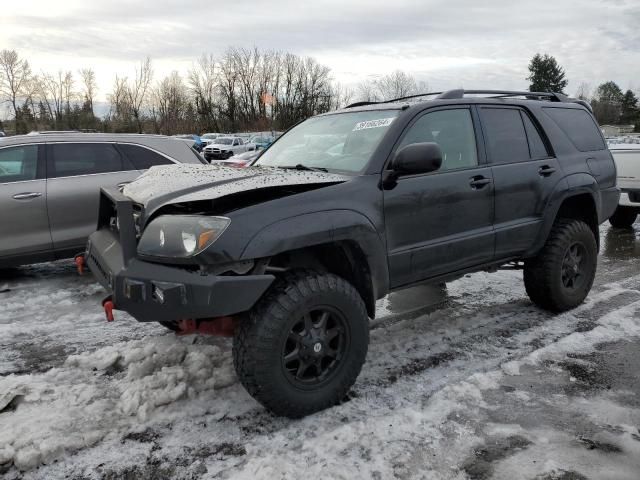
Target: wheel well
[344, 259]
[581, 207]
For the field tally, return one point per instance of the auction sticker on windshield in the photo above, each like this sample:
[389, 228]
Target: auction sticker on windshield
[382, 122]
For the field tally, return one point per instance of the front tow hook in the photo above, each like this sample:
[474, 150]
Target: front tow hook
[107, 304]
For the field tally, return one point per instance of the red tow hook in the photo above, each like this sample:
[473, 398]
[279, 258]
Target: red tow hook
[107, 304]
[79, 260]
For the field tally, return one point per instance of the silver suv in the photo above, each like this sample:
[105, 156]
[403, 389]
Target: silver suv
[50, 186]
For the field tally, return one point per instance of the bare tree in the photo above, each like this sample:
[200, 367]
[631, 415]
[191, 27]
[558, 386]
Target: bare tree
[203, 80]
[583, 91]
[89, 86]
[170, 103]
[139, 90]
[15, 78]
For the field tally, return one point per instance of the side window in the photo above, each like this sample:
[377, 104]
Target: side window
[537, 148]
[453, 131]
[579, 126]
[18, 164]
[506, 138]
[70, 159]
[143, 158]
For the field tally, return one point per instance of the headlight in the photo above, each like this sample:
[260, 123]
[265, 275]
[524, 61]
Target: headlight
[180, 236]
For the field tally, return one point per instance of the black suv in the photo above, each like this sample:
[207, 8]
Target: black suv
[289, 255]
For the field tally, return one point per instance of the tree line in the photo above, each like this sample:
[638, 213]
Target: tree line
[611, 106]
[242, 90]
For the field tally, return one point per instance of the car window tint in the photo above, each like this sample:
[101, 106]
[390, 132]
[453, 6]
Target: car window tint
[18, 164]
[143, 158]
[453, 131]
[69, 159]
[537, 148]
[579, 126]
[506, 138]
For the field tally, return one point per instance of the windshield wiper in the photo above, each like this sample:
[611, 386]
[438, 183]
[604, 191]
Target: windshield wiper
[306, 168]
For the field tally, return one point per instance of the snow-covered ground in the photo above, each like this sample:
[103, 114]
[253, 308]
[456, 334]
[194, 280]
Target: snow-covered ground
[478, 384]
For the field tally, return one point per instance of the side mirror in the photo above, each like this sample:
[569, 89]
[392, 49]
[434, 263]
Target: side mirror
[417, 158]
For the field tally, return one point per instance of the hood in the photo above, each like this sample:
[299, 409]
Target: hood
[213, 143]
[164, 185]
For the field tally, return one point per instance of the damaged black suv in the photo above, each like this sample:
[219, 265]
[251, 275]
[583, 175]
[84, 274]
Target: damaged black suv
[290, 254]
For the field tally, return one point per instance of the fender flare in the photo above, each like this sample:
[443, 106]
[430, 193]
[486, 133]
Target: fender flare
[325, 227]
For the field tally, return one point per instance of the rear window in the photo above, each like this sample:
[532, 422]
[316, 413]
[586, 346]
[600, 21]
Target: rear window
[143, 158]
[579, 126]
[71, 159]
[506, 137]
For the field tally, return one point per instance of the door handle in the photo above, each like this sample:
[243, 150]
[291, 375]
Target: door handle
[546, 170]
[26, 195]
[479, 182]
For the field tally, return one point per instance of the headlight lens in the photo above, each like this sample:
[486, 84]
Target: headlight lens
[181, 236]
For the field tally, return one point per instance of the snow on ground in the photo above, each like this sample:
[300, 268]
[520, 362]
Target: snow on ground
[480, 384]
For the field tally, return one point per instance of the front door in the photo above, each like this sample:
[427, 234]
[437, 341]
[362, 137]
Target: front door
[24, 225]
[441, 222]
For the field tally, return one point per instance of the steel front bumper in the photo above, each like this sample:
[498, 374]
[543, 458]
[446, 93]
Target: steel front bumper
[157, 292]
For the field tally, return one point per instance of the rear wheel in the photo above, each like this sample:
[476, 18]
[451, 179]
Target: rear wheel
[561, 275]
[623, 217]
[303, 345]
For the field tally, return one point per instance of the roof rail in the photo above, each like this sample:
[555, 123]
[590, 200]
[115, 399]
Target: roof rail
[460, 93]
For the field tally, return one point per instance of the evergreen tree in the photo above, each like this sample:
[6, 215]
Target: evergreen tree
[629, 108]
[546, 74]
[607, 103]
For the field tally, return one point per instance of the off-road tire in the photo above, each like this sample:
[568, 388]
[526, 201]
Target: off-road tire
[543, 274]
[623, 217]
[259, 342]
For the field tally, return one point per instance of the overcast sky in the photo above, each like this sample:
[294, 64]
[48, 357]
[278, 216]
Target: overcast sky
[447, 43]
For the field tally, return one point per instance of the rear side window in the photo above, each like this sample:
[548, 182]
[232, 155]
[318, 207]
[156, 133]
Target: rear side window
[70, 159]
[143, 158]
[18, 164]
[579, 126]
[506, 137]
[537, 147]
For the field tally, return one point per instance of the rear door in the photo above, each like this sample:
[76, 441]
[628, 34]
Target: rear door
[75, 174]
[24, 225]
[525, 174]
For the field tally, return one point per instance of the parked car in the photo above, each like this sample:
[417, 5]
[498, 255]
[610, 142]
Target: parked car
[208, 138]
[197, 144]
[241, 159]
[50, 187]
[290, 254]
[627, 158]
[224, 147]
[2, 134]
[260, 141]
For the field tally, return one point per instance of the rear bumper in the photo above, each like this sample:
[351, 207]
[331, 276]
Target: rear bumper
[157, 292]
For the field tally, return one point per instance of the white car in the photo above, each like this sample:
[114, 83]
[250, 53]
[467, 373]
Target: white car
[627, 158]
[208, 138]
[224, 147]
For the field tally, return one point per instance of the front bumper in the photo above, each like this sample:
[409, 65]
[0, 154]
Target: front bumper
[157, 292]
[630, 197]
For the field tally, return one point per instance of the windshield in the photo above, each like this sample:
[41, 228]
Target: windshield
[224, 141]
[343, 142]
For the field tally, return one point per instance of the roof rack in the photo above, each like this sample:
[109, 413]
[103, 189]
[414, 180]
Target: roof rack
[460, 93]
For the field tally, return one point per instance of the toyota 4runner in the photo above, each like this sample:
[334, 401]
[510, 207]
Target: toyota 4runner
[290, 254]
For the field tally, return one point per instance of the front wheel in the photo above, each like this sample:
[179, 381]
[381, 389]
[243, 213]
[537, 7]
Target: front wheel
[303, 345]
[623, 217]
[561, 275]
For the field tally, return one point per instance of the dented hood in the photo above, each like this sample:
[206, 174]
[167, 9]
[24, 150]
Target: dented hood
[187, 183]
